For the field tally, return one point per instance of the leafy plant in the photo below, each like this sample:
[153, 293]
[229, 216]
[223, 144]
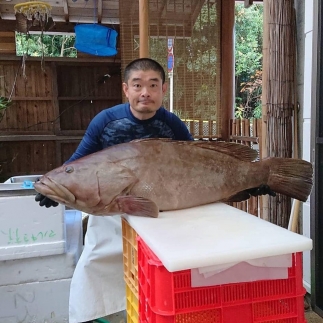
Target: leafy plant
[4, 104]
[248, 65]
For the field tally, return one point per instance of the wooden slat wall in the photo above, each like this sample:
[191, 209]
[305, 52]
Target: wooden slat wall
[31, 109]
[7, 42]
[247, 132]
[51, 110]
[30, 157]
[80, 101]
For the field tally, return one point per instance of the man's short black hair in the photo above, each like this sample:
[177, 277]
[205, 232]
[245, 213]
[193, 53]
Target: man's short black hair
[143, 64]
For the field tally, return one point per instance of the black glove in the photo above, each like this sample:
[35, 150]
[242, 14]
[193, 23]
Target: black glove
[261, 190]
[43, 200]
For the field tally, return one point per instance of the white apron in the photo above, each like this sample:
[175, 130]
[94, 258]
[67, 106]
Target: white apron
[98, 287]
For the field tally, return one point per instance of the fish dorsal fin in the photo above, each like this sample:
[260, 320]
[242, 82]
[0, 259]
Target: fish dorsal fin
[235, 150]
[152, 139]
[232, 149]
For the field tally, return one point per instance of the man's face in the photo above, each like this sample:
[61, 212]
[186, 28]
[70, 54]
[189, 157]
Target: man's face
[145, 93]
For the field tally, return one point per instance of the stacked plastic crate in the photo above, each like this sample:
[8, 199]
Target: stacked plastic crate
[167, 297]
[130, 265]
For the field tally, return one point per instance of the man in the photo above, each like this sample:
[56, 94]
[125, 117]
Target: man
[97, 287]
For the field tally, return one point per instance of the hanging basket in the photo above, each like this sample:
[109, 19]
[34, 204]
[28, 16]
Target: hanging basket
[96, 40]
[38, 10]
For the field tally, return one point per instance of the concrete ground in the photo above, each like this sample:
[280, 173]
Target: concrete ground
[312, 317]
[120, 317]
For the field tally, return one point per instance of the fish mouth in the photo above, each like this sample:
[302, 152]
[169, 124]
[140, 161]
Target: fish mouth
[53, 190]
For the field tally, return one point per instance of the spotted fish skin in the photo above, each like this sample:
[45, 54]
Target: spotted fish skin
[146, 176]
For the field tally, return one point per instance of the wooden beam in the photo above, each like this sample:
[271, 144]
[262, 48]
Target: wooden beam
[99, 11]
[227, 65]
[60, 27]
[25, 137]
[63, 60]
[65, 7]
[244, 138]
[143, 28]
[7, 42]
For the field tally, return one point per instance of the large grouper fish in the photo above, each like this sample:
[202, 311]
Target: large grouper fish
[146, 176]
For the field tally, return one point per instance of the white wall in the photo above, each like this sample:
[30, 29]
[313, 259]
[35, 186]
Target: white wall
[305, 122]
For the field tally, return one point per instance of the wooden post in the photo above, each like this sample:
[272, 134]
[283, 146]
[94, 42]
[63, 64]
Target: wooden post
[248, 3]
[143, 28]
[265, 70]
[227, 69]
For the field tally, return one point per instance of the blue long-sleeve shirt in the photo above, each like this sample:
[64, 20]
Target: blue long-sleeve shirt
[117, 125]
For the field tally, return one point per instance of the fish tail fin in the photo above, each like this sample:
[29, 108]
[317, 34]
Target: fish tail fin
[290, 176]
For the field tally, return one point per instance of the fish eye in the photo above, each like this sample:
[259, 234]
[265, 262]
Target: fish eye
[69, 169]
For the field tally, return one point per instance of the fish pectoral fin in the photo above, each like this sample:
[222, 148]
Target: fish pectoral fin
[138, 206]
[239, 197]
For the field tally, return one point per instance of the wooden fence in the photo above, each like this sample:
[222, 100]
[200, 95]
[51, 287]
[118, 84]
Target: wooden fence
[50, 109]
[247, 132]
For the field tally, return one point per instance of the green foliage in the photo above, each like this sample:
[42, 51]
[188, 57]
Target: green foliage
[4, 104]
[248, 66]
[45, 45]
[249, 104]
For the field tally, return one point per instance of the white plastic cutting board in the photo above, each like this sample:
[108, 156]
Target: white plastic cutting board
[213, 234]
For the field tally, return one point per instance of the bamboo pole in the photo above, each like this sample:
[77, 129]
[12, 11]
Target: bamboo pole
[143, 28]
[227, 68]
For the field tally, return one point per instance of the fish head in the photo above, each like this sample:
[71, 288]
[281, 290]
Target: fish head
[74, 184]
[86, 184]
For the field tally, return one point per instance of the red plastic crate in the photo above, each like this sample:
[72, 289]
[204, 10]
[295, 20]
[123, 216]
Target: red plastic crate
[166, 297]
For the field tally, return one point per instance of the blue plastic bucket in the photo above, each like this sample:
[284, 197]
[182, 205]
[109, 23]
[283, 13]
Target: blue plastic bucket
[95, 39]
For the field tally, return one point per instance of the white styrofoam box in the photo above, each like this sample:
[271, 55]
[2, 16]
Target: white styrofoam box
[36, 302]
[28, 230]
[19, 182]
[21, 179]
[28, 270]
[21, 271]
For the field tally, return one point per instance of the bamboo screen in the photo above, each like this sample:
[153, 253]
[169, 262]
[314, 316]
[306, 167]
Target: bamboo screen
[280, 93]
[194, 28]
